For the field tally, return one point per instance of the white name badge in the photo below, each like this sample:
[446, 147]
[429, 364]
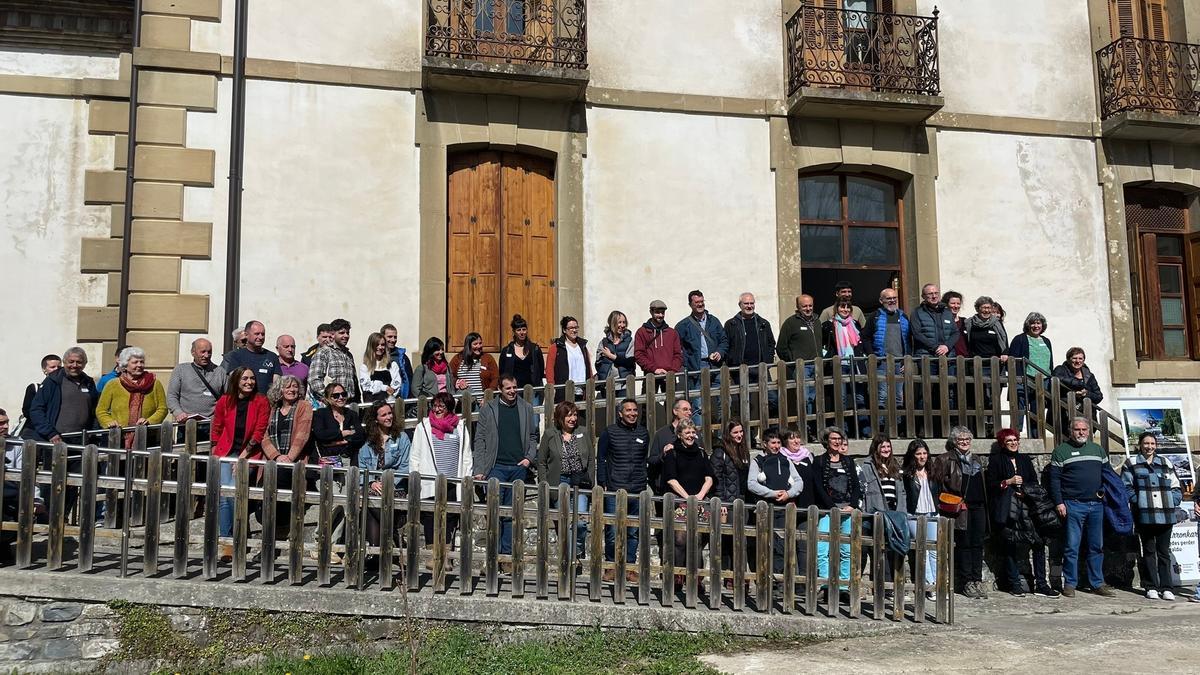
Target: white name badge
[639, 440]
[1074, 454]
[945, 320]
[207, 393]
[803, 327]
[841, 471]
[264, 371]
[579, 435]
[85, 391]
[991, 332]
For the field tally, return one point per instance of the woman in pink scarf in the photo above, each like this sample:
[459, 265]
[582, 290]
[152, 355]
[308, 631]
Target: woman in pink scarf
[441, 446]
[841, 339]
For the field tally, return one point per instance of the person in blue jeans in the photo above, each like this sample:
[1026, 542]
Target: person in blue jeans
[837, 488]
[566, 456]
[506, 442]
[1074, 474]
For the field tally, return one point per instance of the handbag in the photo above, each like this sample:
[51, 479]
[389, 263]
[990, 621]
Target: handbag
[950, 504]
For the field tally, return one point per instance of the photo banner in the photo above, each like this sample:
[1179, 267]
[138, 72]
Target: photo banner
[1163, 417]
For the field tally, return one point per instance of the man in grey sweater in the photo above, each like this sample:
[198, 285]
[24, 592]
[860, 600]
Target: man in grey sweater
[506, 442]
[196, 385]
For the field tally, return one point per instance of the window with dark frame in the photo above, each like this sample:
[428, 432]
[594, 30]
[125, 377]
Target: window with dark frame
[850, 229]
[1164, 257]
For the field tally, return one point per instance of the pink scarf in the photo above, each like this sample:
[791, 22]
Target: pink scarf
[443, 425]
[845, 333]
[801, 456]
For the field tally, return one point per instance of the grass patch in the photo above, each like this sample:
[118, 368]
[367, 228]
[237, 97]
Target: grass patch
[456, 650]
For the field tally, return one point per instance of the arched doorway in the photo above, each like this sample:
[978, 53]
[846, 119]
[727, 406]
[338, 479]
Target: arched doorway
[500, 248]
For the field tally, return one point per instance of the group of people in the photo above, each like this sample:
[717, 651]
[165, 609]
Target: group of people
[299, 409]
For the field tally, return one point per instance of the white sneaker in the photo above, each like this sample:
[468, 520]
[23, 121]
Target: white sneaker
[1168, 596]
[1151, 594]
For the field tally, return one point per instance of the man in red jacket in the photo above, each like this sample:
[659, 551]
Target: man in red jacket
[656, 346]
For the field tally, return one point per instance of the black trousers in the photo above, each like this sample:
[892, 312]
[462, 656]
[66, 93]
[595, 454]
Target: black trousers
[968, 546]
[1155, 563]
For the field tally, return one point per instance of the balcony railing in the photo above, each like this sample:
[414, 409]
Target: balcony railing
[550, 33]
[1152, 75]
[871, 51]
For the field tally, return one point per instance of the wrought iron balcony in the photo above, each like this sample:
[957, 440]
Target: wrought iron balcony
[1149, 75]
[866, 51]
[541, 33]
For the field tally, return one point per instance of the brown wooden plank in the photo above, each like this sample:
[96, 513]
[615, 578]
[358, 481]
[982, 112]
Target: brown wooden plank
[993, 385]
[920, 588]
[909, 384]
[518, 539]
[620, 547]
[819, 382]
[706, 398]
[738, 518]
[839, 404]
[897, 583]
[893, 423]
[781, 390]
[669, 398]
[764, 567]
[723, 392]
[691, 551]
[266, 560]
[961, 376]
[491, 566]
[114, 463]
[57, 506]
[877, 564]
[541, 575]
[856, 541]
[764, 401]
[241, 517]
[296, 531]
[324, 533]
[130, 503]
[715, 585]
[651, 406]
[789, 553]
[387, 528]
[466, 542]
[645, 510]
[184, 476]
[744, 401]
[928, 404]
[212, 487]
[596, 544]
[943, 378]
[1039, 383]
[154, 492]
[1015, 418]
[166, 443]
[415, 532]
[567, 546]
[668, 550]
[87, 508]
[811, 576]
[872, 393]
[25, 505]
[135, 503]
[802, 416]
[835, 561]
[977, 386]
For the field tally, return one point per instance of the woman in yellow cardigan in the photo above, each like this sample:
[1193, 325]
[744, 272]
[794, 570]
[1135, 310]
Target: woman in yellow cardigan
[135, 397]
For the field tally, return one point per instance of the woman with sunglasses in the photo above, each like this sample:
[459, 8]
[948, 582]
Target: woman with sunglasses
[338, 434]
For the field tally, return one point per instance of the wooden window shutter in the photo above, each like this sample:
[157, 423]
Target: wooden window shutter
[1120, 19]
[1157, 24]
[1192, 270]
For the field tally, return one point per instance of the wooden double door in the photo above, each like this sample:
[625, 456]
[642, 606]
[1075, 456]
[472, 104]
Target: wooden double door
[501, 249]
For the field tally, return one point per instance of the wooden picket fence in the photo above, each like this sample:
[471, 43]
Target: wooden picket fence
[150, 494]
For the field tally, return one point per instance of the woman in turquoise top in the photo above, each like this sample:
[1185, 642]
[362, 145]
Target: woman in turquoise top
[387, 447]
[1033, 346]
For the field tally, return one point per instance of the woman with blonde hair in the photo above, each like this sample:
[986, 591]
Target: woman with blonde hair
[378, 375]
[614, 354]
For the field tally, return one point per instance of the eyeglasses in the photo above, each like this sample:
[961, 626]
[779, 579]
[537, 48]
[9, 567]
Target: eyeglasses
[338, 396]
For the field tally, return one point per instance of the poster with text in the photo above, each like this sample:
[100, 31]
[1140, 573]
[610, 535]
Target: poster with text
[1163, 417]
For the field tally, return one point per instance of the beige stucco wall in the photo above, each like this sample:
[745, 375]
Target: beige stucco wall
[330, 217]
[44, 151]
[1023, 58]
[698, 47]
[58, 65]
[363, 33]
[1038, 201]
[675, 202]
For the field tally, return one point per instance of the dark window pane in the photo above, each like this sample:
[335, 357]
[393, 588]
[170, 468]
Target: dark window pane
[1170, 278]
[1175, 343]
[820, 244]
[1169, 246]
[485, 17]
[516, 17]
[820, 198]
[870, 200]
[874, 246]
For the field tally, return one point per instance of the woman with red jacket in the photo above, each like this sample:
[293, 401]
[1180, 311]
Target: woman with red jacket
[567, 359]
[239, 423]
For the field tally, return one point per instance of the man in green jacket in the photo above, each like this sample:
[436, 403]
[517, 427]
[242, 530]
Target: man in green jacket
[800, 340]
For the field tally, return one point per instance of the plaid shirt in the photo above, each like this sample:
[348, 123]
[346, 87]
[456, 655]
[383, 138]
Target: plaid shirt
[333, 365]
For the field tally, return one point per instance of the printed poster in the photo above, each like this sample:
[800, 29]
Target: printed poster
[1163, 417]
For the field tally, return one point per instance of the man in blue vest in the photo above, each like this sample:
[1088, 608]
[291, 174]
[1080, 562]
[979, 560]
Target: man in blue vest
[888, 333]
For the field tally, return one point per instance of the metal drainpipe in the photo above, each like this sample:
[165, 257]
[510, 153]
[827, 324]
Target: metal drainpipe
[127, 226]
[236, 151]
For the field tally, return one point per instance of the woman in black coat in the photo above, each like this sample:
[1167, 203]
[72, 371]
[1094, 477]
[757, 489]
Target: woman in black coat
[1075, 376]
[1008, 477]
[921, 490]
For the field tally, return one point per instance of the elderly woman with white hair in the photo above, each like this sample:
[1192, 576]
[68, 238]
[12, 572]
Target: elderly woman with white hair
[1033, 346]
[133, 398]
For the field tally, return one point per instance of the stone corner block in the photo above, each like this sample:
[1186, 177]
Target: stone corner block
[190, 166]
[103, 186]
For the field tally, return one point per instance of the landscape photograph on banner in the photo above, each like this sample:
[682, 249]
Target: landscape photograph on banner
[1164, 418]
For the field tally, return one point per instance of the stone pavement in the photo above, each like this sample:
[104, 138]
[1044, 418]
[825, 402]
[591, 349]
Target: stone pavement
[1086, 634]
